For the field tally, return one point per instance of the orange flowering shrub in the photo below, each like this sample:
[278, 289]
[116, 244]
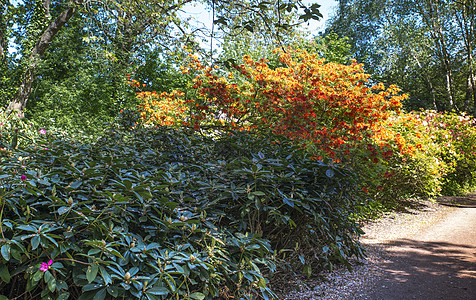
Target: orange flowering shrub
[159, 109]
[432, 153]
[164, 108]
[327, 106]
[411, 167]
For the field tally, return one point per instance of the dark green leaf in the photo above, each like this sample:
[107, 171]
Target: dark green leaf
[288, 201]
[38, 275]
[35, 242]
[253, 247]
[15, 141]
[48, 237]
[91, 287]
[4, 273]
[63, 296]
[115, 253]
[151, 297]
[76, 184]
[197, 295]
[52, 285]
[105, 275]
[158, 291]
[48, 276]
[6, 252]
[113, 291]
[63, 209]
[259, 193]
[100, 295]
[27, 228]
[92, 272]
[61, 285]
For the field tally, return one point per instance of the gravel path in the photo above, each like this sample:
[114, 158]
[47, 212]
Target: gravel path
[426, 252]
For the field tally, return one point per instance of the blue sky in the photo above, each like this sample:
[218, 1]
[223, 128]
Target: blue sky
[203, 18]
[327, 9]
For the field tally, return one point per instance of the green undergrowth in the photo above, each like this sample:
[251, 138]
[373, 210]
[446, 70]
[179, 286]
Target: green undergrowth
[165, 214]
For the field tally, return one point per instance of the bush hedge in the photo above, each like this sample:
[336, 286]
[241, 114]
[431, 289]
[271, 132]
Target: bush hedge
[165, 214]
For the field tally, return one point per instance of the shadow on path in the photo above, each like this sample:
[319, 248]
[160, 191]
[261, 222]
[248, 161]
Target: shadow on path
[458, 201]
[427, 270]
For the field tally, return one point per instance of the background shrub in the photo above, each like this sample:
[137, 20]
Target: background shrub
[456, 135]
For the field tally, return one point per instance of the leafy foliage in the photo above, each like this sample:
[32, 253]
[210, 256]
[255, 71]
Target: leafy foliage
[410, 168]
[456, 135]
[427, 47]
[159, 214]
[328, 109]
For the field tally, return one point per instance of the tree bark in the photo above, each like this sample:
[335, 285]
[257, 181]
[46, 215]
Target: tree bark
[433, 21]
[19, 102]
[467, 26]
[46, 6]
[441, 42]
[3, 27]
[427, 77]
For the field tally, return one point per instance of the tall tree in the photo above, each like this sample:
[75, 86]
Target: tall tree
[9, 71]
[427, 47]
[465, 14]
[24, 90]
[126, 26]
[432, 15]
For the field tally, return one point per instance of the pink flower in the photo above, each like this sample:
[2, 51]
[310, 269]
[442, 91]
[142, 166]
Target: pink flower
[46, 266]
[23, 177]
[42, 131]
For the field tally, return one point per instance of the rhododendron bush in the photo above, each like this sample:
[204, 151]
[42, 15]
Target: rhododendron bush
[333, 111]
[162, 213]
[327, 105]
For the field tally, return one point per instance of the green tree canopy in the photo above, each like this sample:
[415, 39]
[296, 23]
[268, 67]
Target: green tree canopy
[115, 37]
[427, 47]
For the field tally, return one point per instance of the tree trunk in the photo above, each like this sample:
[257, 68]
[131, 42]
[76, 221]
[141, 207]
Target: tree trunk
[3, 27]
[470, 91]
[433, 21]
[19, 102]
[427, 77]
[465, 14]
[46, 6]
[445, 56]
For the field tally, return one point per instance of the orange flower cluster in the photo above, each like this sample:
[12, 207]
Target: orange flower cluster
[312, 102]
[164, 108]
[304, 99]
[134, 83]
[402, 132]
